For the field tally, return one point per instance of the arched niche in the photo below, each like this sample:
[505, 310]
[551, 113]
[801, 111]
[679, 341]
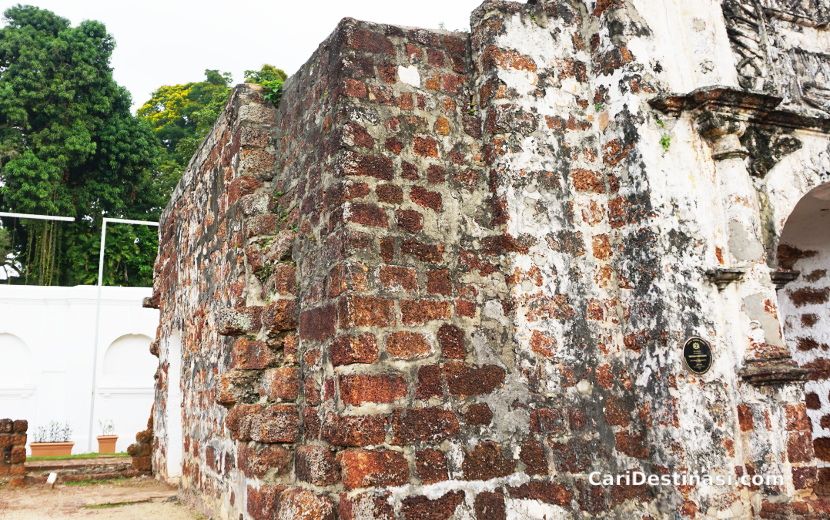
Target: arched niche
[15, 362]
[128, 362]
[804, 305]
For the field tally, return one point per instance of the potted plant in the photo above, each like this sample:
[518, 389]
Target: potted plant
[108, 438]
[53, 440]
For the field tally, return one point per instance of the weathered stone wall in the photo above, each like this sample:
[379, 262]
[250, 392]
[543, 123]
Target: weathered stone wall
[451, 276]
[13, 451]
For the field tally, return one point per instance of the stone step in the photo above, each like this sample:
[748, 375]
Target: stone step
[81, 469]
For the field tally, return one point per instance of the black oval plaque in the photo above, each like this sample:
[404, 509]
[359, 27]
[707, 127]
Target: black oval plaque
[697, 353]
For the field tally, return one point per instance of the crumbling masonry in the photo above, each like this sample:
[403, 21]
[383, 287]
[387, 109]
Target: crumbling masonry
[13, 452]
[452, 274]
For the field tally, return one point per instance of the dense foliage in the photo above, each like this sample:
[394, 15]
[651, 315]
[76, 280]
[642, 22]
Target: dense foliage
[181, 116]
[70, 146]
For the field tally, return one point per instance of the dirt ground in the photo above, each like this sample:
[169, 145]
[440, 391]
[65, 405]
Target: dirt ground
[131, 499]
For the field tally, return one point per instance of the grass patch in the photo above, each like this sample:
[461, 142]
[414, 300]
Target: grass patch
[95, 481]
[111, 505]
[81, 456]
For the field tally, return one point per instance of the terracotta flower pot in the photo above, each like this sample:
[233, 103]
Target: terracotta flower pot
[106, 443]
[51, 449]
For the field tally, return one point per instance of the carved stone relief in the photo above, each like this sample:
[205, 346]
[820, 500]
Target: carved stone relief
[767, 60]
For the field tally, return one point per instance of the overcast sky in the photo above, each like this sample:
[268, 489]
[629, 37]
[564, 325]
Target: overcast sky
[162, 42]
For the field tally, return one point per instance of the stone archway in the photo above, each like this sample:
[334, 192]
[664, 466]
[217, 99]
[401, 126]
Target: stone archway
[804, 302]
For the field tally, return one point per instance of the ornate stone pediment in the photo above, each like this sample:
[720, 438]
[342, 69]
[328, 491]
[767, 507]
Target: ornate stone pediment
[770, 39]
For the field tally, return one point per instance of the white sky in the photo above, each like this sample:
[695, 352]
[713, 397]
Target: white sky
[174, 41]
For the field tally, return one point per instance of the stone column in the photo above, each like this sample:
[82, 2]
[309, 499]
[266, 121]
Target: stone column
[771, 414]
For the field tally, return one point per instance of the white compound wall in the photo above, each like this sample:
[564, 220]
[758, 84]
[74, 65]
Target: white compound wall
[46, 359]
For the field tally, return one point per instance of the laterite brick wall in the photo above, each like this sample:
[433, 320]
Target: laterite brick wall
[451, 276]
[13, 451]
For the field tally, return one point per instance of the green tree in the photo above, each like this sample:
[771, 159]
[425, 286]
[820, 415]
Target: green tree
[181, 116]
[70, 146]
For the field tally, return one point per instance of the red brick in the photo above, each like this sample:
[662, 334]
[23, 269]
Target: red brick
[255, 460]
[465, 308]
[490, 506]
[358, 311]
[248, 354]
[283, 280]
[356, 389]
[317, 465]
[275, 423]
[318, 324]
[478, 414]
[467, 380]
[366, 506]
[587, 181]
[239, 420]
[371, 166]
[354, 88]
[451, 340]
[425, 146]
[431, 466]
[389, 193]
[418, 312]
[799, 448]
[487, 460]
[813, 401]
[438, 282]
[238, 321]
[369, 41]
[616, 412]
[393, 145]
[547, 420]
[303, 504]
[633, 445]
[280, 316]
[429, 382]
[284, 384]
[532, 454]
[396, 277]
[418, 425]
[358, 135]
[241, 186]
[424, 508]
[407, 345]
[263, 502]
[548, 492]
[367, 215]
[355, 430]
[507, 58]
[410, 220]
[364, 468]
[347, 350]
[797, 419]
[542, 344]
[425, 198]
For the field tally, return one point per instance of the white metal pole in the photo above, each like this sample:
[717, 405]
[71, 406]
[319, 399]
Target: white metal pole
[36, 217]
[98, 312]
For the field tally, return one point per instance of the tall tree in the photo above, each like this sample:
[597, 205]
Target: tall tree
[181, 116]
[70, 146]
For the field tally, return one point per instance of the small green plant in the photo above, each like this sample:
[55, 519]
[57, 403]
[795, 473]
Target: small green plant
[665, 142]
[659, 122]
[599, 107]
[271, 79]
